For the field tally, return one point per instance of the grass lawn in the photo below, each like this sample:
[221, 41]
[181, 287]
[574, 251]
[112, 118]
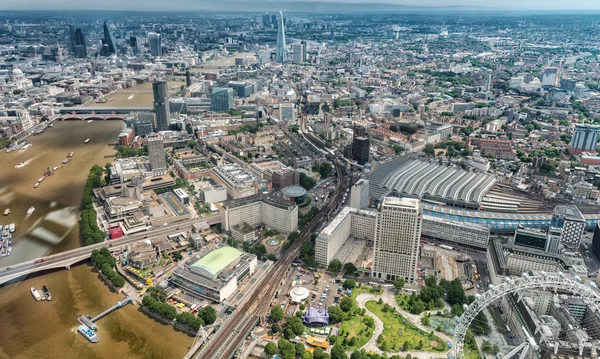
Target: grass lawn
[357, 328]
[398, 330]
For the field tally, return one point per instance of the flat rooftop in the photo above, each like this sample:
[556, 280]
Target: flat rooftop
[217, 260]
[412, 203]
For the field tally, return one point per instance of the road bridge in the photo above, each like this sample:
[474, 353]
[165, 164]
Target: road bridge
[104, 110]
[71, 257]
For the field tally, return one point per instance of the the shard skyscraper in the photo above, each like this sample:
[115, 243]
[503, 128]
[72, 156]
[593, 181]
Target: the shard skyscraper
[280, 53]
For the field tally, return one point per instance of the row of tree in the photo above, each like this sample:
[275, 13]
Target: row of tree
[88, 227]
[104, 262]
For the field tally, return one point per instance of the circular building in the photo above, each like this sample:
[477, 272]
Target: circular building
[295, 194]
[298, 294]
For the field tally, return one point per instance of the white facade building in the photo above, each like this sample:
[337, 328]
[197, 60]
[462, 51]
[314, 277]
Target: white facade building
[359, 194]
[397, 234]
[350, 222]
[273, 212]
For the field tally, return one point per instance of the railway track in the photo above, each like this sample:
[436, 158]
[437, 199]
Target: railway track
[245, 318]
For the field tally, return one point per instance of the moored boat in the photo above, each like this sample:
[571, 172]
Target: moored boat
[87, 140]
[30, 210]
[35, 294]
[11, 227]
[46, 293]
[7, 211]
[88, 333]
[36, 185]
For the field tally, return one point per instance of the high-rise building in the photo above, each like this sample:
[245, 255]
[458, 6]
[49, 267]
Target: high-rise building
[359, 194]
[299, 56]
[550, 77]
[161, 105]
[155, 43]
[596, 241]
[397, 234]
[76, 43]
[585, 138]
[156, 153]
[221, 99]
[274, 20]
[110, 48]
[361, 145]
[188, 79]
[266, 20]
[135, 45]
[280, 51]
[572, 223]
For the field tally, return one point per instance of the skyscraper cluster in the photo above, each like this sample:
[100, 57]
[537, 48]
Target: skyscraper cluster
[280, 52]
[76, 43]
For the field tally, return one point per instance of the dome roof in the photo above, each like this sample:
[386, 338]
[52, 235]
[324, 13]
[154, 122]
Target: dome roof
[299, 294]
[17, 72]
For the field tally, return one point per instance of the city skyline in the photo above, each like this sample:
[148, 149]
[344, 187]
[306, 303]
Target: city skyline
[309, 5]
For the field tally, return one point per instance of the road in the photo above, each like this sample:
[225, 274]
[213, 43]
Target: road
[67, 258]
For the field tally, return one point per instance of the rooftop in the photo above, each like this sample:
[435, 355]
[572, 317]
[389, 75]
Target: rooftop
[217, 260]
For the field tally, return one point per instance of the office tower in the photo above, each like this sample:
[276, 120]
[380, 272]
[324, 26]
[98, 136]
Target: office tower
[135, 45]
[274, 20]
[585, 138]
[161, 105]
[110, 48]
[71, 42]
[266, 19]
[280, 53]
[156, 153]
[596, 241]
[396, 245]
[188, 79]
[359, 194]
[155, 44]
[76, 44]
[221, 99]
[299, 56]
[360, 145]
[550, 77]
[570, 220]
[303, 43]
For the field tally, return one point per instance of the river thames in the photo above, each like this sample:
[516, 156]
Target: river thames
[30, 329]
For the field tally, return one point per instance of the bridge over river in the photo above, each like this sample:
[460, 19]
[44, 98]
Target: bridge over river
[73, 256]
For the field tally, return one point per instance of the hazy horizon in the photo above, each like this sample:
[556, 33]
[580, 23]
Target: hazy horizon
[253, 5]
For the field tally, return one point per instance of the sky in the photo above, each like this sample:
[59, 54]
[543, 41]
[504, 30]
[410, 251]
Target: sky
[154, 5]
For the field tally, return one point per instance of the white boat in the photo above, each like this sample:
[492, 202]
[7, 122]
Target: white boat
[90, 121]
[86, 141]
[36, 294]
[20, 165]
[41, 178]
[30, 210]
[36, 185]
[12, 228]
[26, 147]
[9, 251]
[7, 211]
[51, 125]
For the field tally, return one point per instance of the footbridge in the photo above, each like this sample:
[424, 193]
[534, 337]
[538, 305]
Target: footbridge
[74, 256]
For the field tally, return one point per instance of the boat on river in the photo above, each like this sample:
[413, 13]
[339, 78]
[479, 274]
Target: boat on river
[7, 211]
[35, 294]
[88, 334]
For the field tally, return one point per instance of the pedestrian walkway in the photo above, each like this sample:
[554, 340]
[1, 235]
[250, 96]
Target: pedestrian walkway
[371, 345]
